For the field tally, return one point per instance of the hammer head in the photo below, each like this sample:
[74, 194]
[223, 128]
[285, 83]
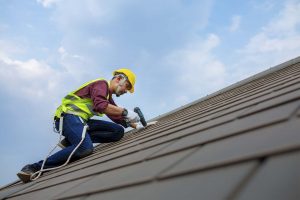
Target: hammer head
[142, 118]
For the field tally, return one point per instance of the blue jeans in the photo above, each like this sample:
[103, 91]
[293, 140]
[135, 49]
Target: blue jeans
[99, 131]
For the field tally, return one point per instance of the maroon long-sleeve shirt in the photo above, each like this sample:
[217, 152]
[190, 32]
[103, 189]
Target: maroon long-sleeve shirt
[98, 91]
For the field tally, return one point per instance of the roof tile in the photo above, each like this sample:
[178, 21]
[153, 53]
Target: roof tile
[215, 184]
[277, 179]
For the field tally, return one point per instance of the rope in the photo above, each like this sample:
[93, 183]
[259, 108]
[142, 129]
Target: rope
[37, 174]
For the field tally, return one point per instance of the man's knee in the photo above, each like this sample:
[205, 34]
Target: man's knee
[81, 153]
[119, 133]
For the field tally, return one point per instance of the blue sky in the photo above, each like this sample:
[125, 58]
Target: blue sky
[180, 50]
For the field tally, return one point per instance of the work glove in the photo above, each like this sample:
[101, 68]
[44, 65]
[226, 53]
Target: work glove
[139, 126]
[132, 116]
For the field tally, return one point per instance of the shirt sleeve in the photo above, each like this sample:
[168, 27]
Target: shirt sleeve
[99, 92]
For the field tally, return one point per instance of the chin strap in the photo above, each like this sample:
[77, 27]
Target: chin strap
[37, 174]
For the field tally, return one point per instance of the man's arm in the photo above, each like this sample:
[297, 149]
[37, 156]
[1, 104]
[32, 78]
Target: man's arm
[113, 110]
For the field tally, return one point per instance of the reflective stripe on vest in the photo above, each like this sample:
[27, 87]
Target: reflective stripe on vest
[75, 105]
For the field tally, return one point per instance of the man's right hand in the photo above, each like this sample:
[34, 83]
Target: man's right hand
[132, 116]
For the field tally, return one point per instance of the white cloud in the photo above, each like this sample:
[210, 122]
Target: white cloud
[198, 71]
[74, 65]
[263, 6]
[281, 34]
[287, 21]
[7, 48]
[74, 14]
[48, 3]
[235, 23]
[61, 51]
[278, 41]
[98, 42]
[264, 43]
[28, 79]
[64, 54]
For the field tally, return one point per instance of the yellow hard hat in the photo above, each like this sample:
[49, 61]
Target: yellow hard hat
[130, 76]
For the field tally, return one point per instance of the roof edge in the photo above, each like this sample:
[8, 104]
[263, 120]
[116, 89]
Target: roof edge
[234, 85]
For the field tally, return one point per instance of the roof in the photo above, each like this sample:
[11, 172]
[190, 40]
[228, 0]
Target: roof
[242, 142]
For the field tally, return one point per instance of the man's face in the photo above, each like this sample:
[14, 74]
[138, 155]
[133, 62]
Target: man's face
[122, 87]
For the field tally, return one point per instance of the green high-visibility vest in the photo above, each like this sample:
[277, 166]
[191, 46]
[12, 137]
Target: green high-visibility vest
[73, 104]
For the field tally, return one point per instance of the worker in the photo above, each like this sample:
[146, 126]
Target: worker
[91, 99]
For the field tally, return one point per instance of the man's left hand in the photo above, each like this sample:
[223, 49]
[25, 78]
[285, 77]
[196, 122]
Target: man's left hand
[139, 126]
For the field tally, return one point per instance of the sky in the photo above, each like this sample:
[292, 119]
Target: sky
[180, 51]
